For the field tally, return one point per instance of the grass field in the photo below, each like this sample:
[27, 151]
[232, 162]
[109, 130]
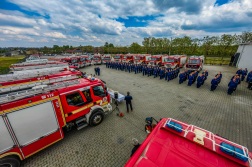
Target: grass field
[217, 61]
[5, 62]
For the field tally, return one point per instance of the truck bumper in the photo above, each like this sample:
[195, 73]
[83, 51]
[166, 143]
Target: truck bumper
[107, 108]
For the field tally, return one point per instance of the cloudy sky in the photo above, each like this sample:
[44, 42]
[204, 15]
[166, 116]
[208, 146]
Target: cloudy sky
[32, 23]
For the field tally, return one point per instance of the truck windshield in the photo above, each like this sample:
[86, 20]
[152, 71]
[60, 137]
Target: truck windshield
[153, 59]
[98, 91]
[69, 61]
[96, 58]
[117, 57]
[125, 57]
[74, 60]
[193, 61]
[106, 58]
[170, 60]
[82, 59]
[88, 58]
[137, 58]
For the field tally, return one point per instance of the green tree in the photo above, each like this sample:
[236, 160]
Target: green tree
[106, 44]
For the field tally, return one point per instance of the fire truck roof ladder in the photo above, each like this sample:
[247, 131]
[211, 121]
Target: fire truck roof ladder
[30, 74]
[33, 92]
[29, 85]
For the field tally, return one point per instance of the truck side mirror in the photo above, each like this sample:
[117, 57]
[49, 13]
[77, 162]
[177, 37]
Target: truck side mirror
[105, 87]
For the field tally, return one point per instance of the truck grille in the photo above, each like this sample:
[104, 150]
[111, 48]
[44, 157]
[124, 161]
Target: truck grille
[168, 65]
[152, 63]
[192, 66]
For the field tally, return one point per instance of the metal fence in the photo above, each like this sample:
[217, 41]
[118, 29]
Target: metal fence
[7, 70]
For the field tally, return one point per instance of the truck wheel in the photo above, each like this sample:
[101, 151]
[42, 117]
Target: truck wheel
[96, 118]
[10, 161]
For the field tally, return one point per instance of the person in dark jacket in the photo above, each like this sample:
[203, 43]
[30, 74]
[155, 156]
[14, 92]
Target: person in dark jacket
[232, 86]
[249, 76]
[244, 73]
[214, 84]
[199, 81]
[190, 80]
[128, 99]
[136, 146]
[239, 71]
[98, 71]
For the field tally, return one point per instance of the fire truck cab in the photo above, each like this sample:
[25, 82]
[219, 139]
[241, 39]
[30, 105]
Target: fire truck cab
[97, 59]
[106, 58]
[157, 60]
[128, 58]
[175, 144]
[118, 58]
[33, 119]
[175, 61]
[142, 59]
[195, 63]
[73, 61]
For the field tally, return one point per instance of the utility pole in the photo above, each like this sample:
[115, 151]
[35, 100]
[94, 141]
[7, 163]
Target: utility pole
[170, 47]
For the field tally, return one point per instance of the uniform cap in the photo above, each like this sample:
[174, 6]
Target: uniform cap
[135, 141]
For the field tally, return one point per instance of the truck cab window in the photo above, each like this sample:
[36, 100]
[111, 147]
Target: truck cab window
[176, 60]
[98, 91]
[87, 95]
[74, 99]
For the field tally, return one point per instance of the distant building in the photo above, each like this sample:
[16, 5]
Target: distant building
[75, 51]
[243, 56]
[12, 53]
[31, 52]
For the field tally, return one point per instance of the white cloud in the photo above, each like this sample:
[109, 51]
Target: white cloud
[95, 22]
[17, 30]
[2, 39]
[55, 35]
[43, 40]
[19, 20]
[54, 39]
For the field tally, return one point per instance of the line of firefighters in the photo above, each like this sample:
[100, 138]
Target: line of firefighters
[169, 74]
[236, 80]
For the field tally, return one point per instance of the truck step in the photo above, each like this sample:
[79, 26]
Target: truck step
[79, 120]
[81, 125]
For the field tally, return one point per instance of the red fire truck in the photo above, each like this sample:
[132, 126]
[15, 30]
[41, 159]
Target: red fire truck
[97, 59]
[118, 58]
[195, 63]
[33, 119]
[142, 59]
[128, 58]
[157, 60]
[177, 144]
[88, 60]
[36, 65]
[106, 58]
[73, 61]
[175, 61]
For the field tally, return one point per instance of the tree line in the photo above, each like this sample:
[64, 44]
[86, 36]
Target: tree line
[224, 45]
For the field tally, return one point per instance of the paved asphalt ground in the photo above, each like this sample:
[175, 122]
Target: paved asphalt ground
[109, 144]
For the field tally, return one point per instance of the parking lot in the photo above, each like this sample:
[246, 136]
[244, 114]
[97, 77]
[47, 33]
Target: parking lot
[109, 144]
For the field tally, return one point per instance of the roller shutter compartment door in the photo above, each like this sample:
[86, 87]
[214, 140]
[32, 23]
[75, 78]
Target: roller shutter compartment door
[32, 123]
[6, 142]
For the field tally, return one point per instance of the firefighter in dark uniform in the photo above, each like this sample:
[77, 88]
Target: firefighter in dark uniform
[98, 71]
[199, 81]
[181, 79]
[155, 72]
[190, 80]
[214, 84]
[169, 75]
[232, 86]
[244, 73]
[249, 76]
[135, 68]
[144, 68]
